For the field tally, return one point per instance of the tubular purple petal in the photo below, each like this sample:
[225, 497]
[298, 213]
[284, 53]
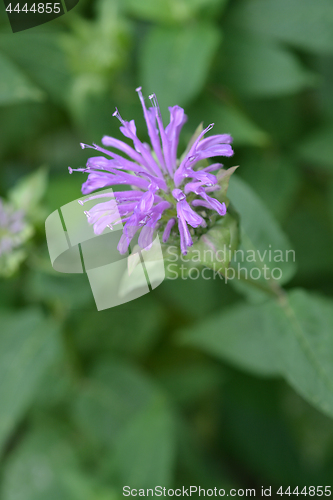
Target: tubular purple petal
[167, 230]
[213, 140]
[146, 202]
[150, 118]
[185, 236]
[165, 141]
[192, 187]
[177, 120]
[190, 216]
[220, 208]
[146, 235]
[125, 148]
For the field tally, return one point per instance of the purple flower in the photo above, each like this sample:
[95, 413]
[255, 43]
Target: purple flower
[162, 188]
[12, 225]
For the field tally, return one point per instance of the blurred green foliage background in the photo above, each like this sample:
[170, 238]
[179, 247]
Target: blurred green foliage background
[198, 382]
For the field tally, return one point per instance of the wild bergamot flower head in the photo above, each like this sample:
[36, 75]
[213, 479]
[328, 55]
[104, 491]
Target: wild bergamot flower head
[171, 195]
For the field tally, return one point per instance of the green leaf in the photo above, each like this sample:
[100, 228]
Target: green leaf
[46, 464]
[244, 131]
[191, 296]
[256, 402]
[29, 191]
[96, 47]
[10, 262]
[41, 58]
[331, 201]
[120, 408]
[146, 448]
[227, 118]
[15, 86]
[198, 465]
[314, 254]
[168, 66]
[223, 179]
[242, 336]
[137, 328]
[46, 286]
[28, 346]
[265, 254]
[259, 68]
[114, 394]
[270, 172]
[171, 11]
[317, 148]
[189, 380]
[291, 337]
[280, 118]
[303, 23]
